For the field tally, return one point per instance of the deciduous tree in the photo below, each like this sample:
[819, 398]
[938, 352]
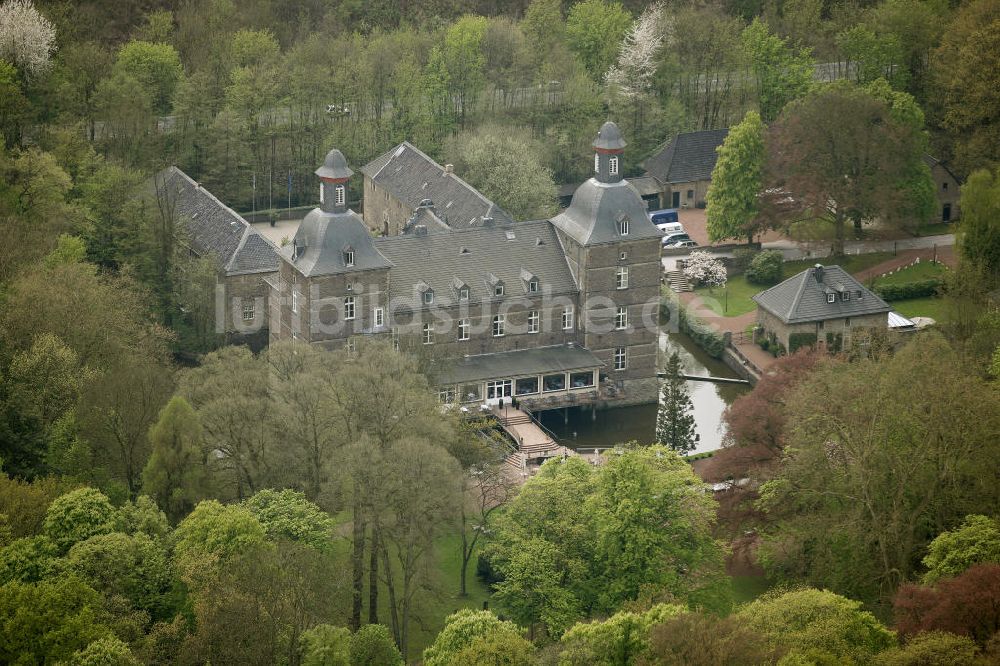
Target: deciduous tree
[737, 182]
[27, 38]
[782, 73]
[594, 31]
[967, 605]
[976, 541]
[980, 237]
[176, 475]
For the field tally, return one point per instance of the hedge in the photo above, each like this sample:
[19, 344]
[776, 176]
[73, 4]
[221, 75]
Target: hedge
[915, 289]
[798, 340]
[834, 341]
[712, 342]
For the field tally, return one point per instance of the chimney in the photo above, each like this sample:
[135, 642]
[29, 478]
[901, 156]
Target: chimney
[420, 230]
[449, 168]
[818, 272]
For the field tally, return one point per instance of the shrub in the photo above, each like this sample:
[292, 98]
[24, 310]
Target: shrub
[915, 289]
[742, 256]
[798, 340]
[706, 338]
[765, 268]
[834, 341]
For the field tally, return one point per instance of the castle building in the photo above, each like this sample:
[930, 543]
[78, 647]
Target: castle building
[553, 312]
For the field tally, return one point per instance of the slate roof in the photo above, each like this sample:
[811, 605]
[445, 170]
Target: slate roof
[609, 137]
[931, 162]
[411, 176]
[593, 214]
[215, 228]
[323, 237]
[803, 297]
[474, 257]
[687, 158]
[537, 361]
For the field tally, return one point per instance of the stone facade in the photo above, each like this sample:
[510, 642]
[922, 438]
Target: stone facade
[244, 301]
[494, 288]
[946, 190]
[845, 327]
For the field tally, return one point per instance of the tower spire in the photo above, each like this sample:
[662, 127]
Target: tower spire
[333, 176]
[608, 148]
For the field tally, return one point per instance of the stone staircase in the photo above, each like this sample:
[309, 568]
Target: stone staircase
[677, 281]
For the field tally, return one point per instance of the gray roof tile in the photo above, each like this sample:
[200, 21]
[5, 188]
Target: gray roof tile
[411, 176]
[803, 297]
[526, 362]
[215, 228]
[474, 257]
[323, 237]
[593, 214]
[687, 157]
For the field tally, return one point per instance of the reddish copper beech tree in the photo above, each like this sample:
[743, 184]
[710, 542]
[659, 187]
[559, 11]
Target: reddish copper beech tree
[968, 605]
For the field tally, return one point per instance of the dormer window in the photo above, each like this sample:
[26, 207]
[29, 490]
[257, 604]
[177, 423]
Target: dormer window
[341, 195]
[623, 226]
[428, 296]
[613, 165]
[845, 295]
[348, 257]
[831, 297]
[533, 285]
[498, 289]
[463, 293]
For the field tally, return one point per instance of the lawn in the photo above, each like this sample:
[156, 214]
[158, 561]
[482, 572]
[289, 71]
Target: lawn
[925, 270]
[852, 263]
[735, 302]
[931, 306]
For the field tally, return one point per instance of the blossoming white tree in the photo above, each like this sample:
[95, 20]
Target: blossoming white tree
[27, 39]
[701, 268]
[632, 75]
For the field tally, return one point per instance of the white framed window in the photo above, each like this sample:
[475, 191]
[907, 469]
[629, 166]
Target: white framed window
[428, 334]
[341, 195]
[533, 321]
[621, 358]
[623, 226]
[248, 309]
[295, 302]
[322, 193]
[349, 307]
[352, 345]
[831, 297]
[597, 162]
[348, 257]
[621, 277]
[567, 318]
[845, 295]
[428, 297]
[447, 395]
[463, 329]
[623, 256]
[613, 165]
[532, 286]
[463, 294]
[378, 317]
[498, 289]
[621, 318]
[498, 325]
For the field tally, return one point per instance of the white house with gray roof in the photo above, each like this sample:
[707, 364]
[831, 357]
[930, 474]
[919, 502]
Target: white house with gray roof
[823, 306]
[552, 312]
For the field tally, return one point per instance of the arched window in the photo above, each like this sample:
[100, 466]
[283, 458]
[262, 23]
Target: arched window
[597, 162]
[341, 195]
[613, 165]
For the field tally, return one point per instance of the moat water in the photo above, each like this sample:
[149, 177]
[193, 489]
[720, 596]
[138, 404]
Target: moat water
[577, 427]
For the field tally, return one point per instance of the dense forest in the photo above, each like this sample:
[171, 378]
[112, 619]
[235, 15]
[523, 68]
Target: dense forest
[167, 500]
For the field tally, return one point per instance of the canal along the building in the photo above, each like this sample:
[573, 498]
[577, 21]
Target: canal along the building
[623, 424]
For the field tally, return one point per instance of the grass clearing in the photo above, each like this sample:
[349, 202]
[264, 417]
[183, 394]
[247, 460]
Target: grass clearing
[748, 588]
[930, 306]
[852, 263]
[925, 270]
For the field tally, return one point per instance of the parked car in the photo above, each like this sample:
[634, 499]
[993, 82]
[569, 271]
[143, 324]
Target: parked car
[679, 244]
[666, 221]
[675, 237]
